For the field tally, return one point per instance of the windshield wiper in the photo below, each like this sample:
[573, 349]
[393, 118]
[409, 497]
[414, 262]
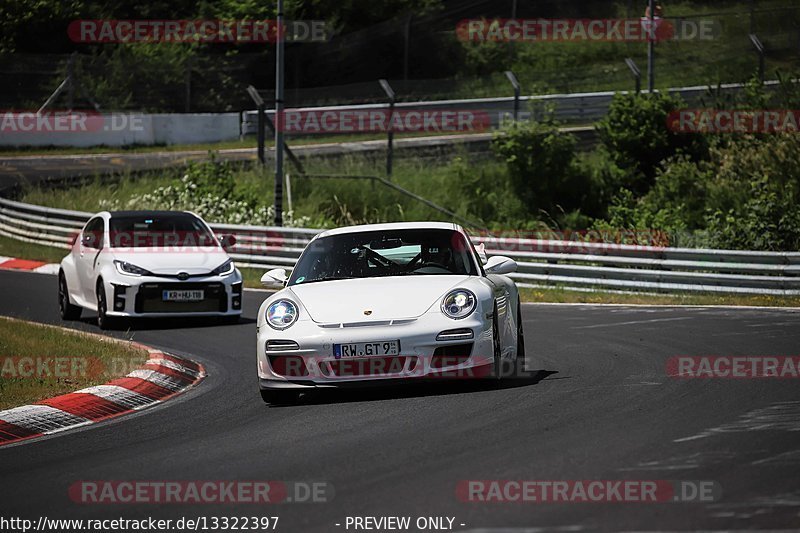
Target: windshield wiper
[327, 278]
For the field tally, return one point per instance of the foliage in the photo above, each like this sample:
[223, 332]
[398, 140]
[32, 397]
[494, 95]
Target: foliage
[636, 135]
[209, 189]
[542, 166]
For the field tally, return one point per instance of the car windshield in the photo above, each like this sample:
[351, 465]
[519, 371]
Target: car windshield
[157, 231]
[371, 254]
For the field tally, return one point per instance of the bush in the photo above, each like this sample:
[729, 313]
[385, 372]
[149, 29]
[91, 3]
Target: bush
[754, 199]
[746, 197]
[542, 166]
[209, 189]
[635, 134]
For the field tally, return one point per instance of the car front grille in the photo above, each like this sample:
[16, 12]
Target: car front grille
[452, 355]
[149, 298]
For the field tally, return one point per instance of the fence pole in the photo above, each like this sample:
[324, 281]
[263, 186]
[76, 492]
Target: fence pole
[71, 84]
[188, 85]
[760, 50]
[262, 122]
[651, 48]
[279, 122]
[517, 90]
[637, 74]
[390, 140]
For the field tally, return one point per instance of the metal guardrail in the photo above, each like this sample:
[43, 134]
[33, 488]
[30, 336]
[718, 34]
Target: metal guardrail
[541, 262]
[573, 108]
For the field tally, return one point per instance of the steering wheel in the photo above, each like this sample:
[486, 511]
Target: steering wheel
[432, 264]
[377, 259]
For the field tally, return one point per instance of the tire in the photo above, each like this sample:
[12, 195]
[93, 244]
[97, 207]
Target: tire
[103, 320]
[500, 368]
[66, 309]
[279, 397]
[520, 361]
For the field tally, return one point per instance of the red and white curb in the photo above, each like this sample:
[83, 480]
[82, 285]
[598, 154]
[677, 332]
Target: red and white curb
[13, 263]
[162, 376]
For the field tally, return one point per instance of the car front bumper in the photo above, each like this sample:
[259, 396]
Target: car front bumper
[424, 353]
[143, 296]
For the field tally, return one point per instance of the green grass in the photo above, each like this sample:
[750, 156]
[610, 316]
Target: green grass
[562, 295]
[334, 201]
[96, 194]
[73, 360]
[24, 250]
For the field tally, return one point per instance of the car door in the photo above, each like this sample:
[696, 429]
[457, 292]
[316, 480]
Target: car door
[89, 248]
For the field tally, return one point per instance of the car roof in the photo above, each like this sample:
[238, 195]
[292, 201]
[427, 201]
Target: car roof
[389, 227]
[146, 213]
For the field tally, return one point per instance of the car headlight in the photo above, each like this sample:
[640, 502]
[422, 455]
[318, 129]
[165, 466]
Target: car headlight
[459, 303]
[281, 314]
[128, 269]
[224, 269]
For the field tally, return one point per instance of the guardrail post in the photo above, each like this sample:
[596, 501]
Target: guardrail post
[390, 140]
[637, 74]
[517, 90]
[760, 50]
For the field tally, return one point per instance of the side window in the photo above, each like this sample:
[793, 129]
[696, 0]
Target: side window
[93, 234]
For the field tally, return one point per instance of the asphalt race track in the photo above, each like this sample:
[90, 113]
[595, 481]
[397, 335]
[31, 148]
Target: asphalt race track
[598, 405]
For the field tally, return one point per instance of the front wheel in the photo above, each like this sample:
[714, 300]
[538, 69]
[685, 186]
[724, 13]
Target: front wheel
[103, 320]
[502, 367]
[279, 397]
[66, 309]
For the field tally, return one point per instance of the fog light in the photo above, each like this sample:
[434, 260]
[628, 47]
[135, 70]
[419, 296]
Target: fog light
[119, 297]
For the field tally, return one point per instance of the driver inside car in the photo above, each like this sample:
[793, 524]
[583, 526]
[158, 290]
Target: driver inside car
[438, 255]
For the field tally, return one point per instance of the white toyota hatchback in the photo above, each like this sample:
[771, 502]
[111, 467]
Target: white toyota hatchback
[149, 264]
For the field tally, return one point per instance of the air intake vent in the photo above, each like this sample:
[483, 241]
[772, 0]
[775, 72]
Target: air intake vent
[454, 335]
[281, 345]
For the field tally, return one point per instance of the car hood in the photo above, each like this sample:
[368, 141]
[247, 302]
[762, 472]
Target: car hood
[344, 301]
[191, 261]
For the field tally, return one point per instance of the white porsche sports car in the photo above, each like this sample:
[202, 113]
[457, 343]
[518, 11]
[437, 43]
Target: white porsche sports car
[385, 302]
[149, 264]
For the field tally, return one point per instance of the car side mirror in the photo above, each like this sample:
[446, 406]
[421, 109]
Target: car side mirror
[227, 241]
[499, 264]
[481, 251]
[274, 279]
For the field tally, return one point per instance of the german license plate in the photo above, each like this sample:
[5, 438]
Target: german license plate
[366, 349]
[182, 296]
